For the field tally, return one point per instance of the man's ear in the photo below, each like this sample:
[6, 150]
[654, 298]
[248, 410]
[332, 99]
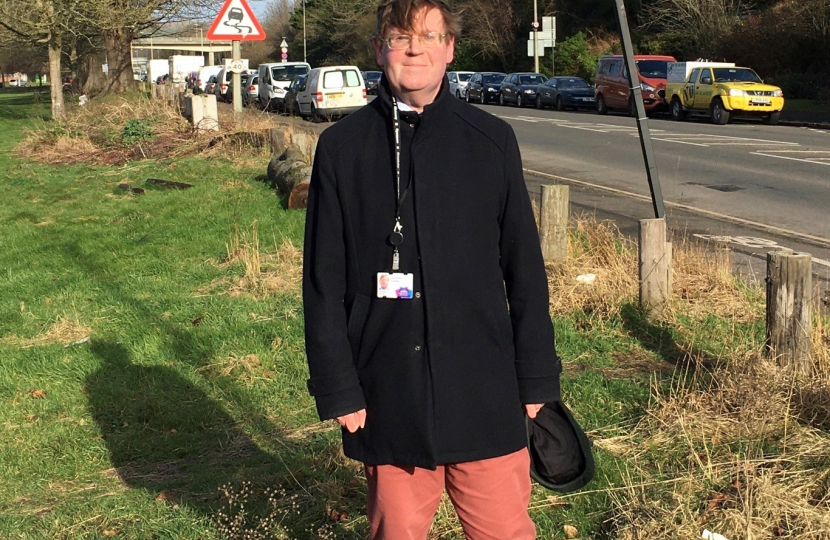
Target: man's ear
[378, 45]
[450, 49]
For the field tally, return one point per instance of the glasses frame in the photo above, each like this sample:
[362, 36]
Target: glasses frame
[388, 40]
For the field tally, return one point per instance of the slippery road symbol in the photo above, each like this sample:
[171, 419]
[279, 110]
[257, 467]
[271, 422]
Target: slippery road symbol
[234, 20]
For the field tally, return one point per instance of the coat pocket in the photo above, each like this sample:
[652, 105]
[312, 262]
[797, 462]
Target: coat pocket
[357, 320]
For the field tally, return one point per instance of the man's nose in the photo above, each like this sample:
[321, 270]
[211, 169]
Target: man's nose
[415, 45]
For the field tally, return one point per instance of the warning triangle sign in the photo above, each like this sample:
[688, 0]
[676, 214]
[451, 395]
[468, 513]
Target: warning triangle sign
[235, 21]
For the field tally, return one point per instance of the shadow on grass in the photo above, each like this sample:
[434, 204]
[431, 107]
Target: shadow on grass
[656, 337]
[20, 106]
[167, 436]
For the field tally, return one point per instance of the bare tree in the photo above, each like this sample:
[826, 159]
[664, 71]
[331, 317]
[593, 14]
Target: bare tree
[491, 26]
[700, 24]
[42, 23]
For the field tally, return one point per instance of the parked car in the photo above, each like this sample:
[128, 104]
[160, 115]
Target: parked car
[290, 101]
[565, 92]
[205, 74]
[372, 79]
[244, 77]
[484, 87]
[520, 88]
[612, 87]
[211, 84]
[458, 82]
[274, 79]
[331, 91]
[251, 91]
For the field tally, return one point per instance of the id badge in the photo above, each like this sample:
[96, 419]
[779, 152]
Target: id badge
[395, 285]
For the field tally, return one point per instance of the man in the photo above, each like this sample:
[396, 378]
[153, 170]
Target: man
[431, 389]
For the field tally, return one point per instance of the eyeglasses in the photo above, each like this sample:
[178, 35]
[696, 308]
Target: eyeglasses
[401, 41]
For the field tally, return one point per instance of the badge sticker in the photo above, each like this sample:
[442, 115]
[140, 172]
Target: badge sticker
[395, 285]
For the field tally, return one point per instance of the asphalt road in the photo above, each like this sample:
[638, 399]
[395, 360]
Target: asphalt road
[752, 186]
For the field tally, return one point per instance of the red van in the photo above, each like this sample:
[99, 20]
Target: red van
[612, 89]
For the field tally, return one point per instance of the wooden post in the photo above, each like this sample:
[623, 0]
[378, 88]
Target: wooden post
[553, 223]
[655, 266]
[789, 325]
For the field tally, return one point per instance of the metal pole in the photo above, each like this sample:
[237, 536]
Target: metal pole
[535, 38]
[642, 120]
[237, 80]
[304, 50]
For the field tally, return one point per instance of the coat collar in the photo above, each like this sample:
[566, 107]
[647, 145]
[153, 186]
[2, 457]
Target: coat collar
[433, 113]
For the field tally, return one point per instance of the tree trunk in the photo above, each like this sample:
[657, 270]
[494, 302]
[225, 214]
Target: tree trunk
[119, 60]
[93, 81]
[55, 73]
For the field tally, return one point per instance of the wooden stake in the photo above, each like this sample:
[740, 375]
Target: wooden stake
[789, 324]
[655, 266]
[553, 223]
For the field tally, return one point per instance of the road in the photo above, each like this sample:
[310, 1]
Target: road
[754, 186]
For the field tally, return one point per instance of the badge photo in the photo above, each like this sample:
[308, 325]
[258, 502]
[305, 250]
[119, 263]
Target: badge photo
[396, 286]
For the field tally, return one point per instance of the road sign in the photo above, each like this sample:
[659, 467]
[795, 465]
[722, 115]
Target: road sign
[234, 66]
[284, 44]
[542, 43]
[283, 49]
[235, 22]
[535, 24]
[284, 56]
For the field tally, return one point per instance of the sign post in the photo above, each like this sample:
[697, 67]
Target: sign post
[236, 22]
[284, 50]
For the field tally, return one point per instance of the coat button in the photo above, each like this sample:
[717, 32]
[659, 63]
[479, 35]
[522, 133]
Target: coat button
[417, 347]
[417, 295]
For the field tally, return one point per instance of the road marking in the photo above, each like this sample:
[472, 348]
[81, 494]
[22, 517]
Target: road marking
[702, 139]
[823, 242]
[755, 243]
[818, 159]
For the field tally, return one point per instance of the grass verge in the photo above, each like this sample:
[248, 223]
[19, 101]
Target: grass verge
[185, 415]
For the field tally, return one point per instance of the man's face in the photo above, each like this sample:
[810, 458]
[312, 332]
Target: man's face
[417, 69]
[384, 281]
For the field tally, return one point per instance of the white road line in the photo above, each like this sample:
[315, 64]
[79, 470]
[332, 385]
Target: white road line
[761, 153]
[679, 142]
[824, 242]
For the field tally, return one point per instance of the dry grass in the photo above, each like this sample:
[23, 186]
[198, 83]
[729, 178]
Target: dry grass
[93, 134]
[277, 272]
[63, 331]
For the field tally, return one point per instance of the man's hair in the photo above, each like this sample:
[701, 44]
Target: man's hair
[401, 14]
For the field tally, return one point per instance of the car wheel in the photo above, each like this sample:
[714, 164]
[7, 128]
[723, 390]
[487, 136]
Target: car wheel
[316, 117]
[559, 105]
[676, 111]
[467, 97]
[501, 100]
[539, 102]
[601, 107]
[519, 103]
[773, 118]
[458, 94]
[481, 98]
[719, 114]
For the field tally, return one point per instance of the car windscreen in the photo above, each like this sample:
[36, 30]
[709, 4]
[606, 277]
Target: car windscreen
[339, 79]
[532, 79]
[572, 83]
[654, 69]
[286, 73]
[493, 78]
[736, 75]
[464, 77]
[372, 76]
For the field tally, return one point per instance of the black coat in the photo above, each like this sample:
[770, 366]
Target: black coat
[442, 376]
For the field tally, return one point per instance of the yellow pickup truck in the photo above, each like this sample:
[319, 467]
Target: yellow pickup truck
[721, 91]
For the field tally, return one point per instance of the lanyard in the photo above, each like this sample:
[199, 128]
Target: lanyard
[396, 238]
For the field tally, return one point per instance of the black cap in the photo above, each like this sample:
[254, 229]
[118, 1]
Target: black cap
[560, 452]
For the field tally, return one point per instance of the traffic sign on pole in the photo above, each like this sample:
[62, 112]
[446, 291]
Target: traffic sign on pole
[235, 22]
[284, 56]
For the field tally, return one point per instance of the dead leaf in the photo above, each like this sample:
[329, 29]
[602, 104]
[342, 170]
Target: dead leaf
[109, 532]
[37, 394]
[163, 496]
[336, 516]
[197, 321]
[31, 418]
[570, 531]
[266, 373]
[555, 501]
[717, 502]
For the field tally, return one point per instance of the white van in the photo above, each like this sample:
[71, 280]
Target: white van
[274, 79]
[205, 74]
[223, 82]
[331, 91]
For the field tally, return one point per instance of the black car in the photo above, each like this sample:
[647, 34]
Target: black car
[565, 92]
[371, 79]
[484, 87]
[520, 88]
[290, 100]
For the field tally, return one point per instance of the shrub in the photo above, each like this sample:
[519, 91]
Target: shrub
[135, 131]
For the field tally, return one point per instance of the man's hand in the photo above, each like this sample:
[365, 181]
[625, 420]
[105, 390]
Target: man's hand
[355, 420]
[533, 409]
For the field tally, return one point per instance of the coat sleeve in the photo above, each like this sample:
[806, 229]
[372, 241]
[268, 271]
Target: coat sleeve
[537, 364]
[333, 378]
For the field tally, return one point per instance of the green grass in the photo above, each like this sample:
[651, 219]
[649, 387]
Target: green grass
[807, 105]
[142, 425]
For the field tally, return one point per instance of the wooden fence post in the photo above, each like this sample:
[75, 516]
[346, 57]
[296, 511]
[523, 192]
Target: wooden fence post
[553, 223]
[654, 266]
[789, 324]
